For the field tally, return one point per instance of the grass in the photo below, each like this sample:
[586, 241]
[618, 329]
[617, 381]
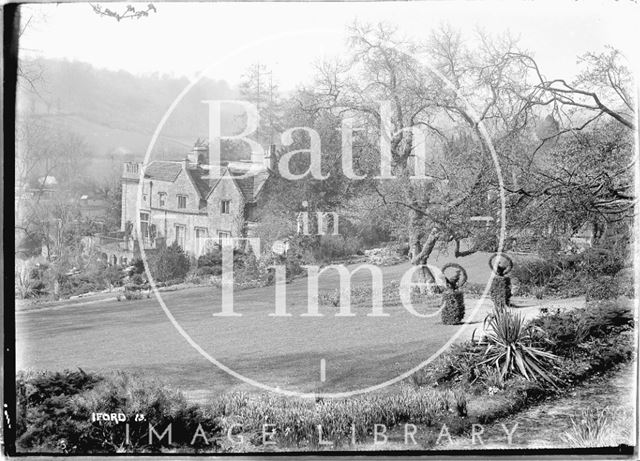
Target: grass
[596, 427]
[282, 352]
[459, 401]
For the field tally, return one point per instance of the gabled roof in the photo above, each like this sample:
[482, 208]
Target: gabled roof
[198, 177]
[163, 171]
[250, 187]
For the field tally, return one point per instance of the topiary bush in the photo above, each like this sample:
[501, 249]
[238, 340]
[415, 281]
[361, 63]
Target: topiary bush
[501, 284]
[453, 308]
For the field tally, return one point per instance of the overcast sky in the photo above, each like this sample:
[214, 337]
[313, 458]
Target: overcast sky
[183, 38]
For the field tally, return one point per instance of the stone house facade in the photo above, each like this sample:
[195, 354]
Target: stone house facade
[182, 202]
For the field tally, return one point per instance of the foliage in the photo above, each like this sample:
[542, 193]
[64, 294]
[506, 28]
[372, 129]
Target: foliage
[57, 418]
[603, 287]
[54, 413]
[510, 348]
[596, 427]
[131, 294]
[296, 421]
[28, 280]
[43, 410]
[54, 408]
[566, 330]
[452, 307]
[334, 247]
[501, 292]
[212, 258]
[537, 272]
[208, 270]
[138, 266]
[593, 272]
[171, 263]
[361, 296]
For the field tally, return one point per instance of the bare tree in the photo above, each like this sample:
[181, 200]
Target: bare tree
[461, 173]
[604, 87]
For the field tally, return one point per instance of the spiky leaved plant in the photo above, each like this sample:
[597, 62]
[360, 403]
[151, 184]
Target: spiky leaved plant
[501, 284]
[453, 307]
[510, 348]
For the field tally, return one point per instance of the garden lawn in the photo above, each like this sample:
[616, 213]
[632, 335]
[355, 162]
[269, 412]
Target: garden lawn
[281, 352]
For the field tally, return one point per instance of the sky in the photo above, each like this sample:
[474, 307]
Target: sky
[182, 39]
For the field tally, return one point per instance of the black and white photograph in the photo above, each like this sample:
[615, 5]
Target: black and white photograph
[321, 228]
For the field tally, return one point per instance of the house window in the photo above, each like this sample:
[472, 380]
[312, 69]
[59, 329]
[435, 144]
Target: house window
[144, 224]
[225, 206]
[201, 235]
[181, 235]
[182, 201]
[223, 237]
[162, 198]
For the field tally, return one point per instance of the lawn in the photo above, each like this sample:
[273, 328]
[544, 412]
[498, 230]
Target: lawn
[283, 352]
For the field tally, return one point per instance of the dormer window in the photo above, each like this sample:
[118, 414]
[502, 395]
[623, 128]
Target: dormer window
[182, 201]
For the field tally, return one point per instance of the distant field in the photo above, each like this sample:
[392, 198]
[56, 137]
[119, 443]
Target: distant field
[285, 352]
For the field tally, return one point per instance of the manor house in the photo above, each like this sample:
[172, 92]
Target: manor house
[183, 202]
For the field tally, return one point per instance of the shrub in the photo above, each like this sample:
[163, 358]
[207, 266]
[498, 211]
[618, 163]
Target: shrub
[452, 307]
[160, 406]
[193, 278]
[573, 275]
[43, 410]
[602, 287]
[54, 413]
[537, 272]
[171, 263]
[113, 276]
[566, 330]
[132, 294]
[333, 247]
[138, 266]
[27, 283]
[601, 261]
[206, 271]
[211, 259]
[461, 362]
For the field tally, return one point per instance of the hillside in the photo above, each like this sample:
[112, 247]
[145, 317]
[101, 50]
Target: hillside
[116, 113]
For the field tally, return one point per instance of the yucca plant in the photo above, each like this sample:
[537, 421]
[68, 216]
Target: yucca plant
[509, 347]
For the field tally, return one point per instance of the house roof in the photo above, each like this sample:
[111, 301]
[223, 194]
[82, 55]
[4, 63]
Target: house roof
[252, 185]
[163, 171]
[198, 177]
[249, 186]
